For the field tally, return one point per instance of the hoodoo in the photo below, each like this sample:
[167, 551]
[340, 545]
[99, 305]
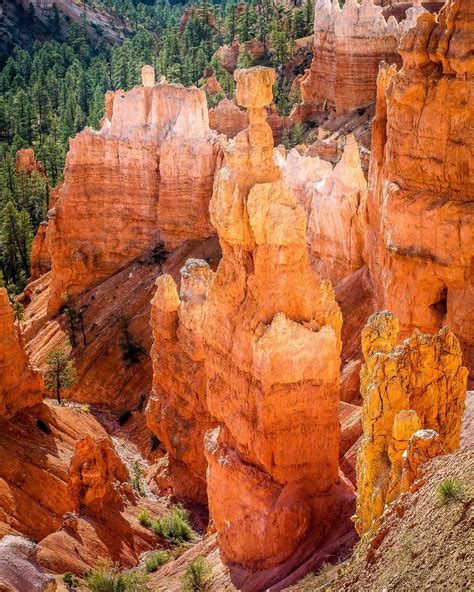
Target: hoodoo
[272, 343]
[177, 410]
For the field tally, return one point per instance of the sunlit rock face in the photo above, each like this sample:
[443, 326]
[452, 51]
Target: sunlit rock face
[20, 385]
[272, 345]
[177, 410]
[349, 44]
[420, 384]
[40, 259]
[420, 208]
[145, 177]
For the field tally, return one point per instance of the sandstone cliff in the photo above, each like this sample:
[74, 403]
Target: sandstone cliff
[125, 191]
[40, 259]
[20, 385]
[349, 43]
[420, 209]
[419, 384]
[272, 345]
[177, 410]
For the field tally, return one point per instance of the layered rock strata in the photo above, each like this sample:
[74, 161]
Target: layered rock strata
[272, 345]
[125, 191]
[420, 208]
[419, 384]
[177, 410]
[40, 259]
[20, 385]
[349, 44]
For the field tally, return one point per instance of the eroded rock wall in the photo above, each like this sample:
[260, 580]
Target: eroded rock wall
[20, 385]
[420, 384]
[126, 189]
[349, 44]
[420, 208]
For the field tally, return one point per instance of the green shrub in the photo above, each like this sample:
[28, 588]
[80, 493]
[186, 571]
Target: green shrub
[107, 577]
[155, 560]
[136, 480]
[197, 577]
[70, 581]
[144, 518]
[451, 490]
[174, 526]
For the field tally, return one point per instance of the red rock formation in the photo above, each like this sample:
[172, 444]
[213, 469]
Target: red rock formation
[272, 341]
[26, 164]
[94, 474]
[348, 46]
[125, 190]
[420, 208]
[177, 411]
[229, 54]
[213, 87]
[20, 385]
[227, 118]
[420, 384]
[40, 259]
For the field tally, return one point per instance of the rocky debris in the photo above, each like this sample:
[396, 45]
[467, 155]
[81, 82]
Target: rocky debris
[125, 191]
[94, 474]
[19, 571]
[177, 410]
[420, 210]
[421, 544]
[20, 385]
[420, 384]
[349, 43]
[272, 345]
[40, 259]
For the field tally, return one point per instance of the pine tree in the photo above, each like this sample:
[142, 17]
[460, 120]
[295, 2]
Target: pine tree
[59, 374]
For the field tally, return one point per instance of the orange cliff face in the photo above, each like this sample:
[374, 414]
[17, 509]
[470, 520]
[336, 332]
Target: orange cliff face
[420, 208]
[349, 43]
[272, 345]
[145, 177]
[20, 385]
[420, 384]
[177, 411]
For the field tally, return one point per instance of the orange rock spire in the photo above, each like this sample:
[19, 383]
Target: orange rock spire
[272, 343]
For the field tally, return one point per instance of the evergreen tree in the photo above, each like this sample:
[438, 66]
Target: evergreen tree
[59, 374]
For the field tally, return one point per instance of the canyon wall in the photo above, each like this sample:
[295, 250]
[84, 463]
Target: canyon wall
[272, 345]
[349, 44]
[20, 385]
[420, 209]
[125, 189]
[420, 384]
[177, 410]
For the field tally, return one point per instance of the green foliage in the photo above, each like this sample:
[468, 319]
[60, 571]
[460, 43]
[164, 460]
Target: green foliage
[449, 491]
[70, 581]
[59, 374]
[107, 577]
[49, 92]
[131, 351]
[174, 526]
[144, 518]
[18, 311]
[197, 577]
[136, 479]
[155, 560]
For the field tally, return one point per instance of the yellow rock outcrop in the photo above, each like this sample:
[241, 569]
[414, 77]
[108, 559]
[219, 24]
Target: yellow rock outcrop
[419, 384]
